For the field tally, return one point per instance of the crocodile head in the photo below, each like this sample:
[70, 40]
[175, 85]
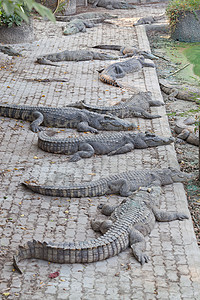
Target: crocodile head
[152, 140]
[109, 122]
[178, 176]
[148, 55]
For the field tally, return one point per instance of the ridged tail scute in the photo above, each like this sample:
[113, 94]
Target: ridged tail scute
[89, 189]
[107, 79]
[108, 245]
[108, 47]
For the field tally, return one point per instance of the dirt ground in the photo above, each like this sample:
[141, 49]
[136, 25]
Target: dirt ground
[187, 154]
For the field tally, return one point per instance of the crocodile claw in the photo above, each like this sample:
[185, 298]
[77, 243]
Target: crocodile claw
[143, 258]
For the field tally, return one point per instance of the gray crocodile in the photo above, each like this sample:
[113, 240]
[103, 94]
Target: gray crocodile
[75, 55]
[137, 106]
[101, 16]
[127, 51]
[82, 120]
[111, 143]
[110, 74]
[123, 183]
[9, 51]
[77, 25]
[149, 20]
[129, 222]
[185, 127]
[112, 4]
[177, 92]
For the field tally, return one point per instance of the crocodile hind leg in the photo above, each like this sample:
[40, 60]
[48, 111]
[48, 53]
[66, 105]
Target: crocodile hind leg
[84, 126]
[101, 225]
[85, 151]
[39, 119]
[138, 245]
[121, 187]
[124, 149]
[106, 209]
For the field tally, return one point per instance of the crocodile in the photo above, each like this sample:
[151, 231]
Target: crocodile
[127, 226]
[87, 16]
[149, 20]
[112, 4]
[9, 51]
[77, 25]
[127, 51]
[136, 106]
[185, 127]
[75, 55]
[110, 74]
[176, 92]
[111, 143]
[82, 120]
[123, 183]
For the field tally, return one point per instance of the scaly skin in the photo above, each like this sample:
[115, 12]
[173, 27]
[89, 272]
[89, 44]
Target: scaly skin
[111, 4]
[87, 16]
[101, 144]
[127, 51]
[123, 183]
[76, 55]
[175, 92]
[136, 106]
[82, 120]
[149, 20]
[185, 127]
[117, 70]
[9, 51]
[134, 218]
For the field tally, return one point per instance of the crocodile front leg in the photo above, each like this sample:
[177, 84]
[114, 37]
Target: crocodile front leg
[138, 245]
[85, 151]
[84, 126]
[165, 216]
[39, 119]
[124, 149]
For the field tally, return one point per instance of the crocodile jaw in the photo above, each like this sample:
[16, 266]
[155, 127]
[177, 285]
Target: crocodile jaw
[158, 141]
[117, 124]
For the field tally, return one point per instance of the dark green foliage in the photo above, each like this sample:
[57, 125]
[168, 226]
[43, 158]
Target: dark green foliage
[177, 7]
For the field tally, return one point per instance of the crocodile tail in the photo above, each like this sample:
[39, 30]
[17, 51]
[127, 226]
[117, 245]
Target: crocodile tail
[109, 245]
[44, 61]
[23, 252]
[89, 189]
[107, 79]
[108, 47]
[16, 111]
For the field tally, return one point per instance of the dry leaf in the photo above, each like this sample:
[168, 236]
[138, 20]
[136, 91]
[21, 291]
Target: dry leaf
[54, 275]
[6, 294]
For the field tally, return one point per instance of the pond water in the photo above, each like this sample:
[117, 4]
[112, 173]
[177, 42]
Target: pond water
[192, 53]
[187, 53]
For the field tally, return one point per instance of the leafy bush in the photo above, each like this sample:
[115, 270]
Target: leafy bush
[177, 7]
[15, 11]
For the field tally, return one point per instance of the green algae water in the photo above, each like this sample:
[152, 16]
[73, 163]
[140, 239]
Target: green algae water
[185, 53]
[192, 53]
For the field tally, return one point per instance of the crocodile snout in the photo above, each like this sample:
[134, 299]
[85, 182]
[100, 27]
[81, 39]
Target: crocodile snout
[117, 124]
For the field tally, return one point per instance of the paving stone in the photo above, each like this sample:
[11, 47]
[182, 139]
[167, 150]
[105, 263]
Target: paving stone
[174, 268]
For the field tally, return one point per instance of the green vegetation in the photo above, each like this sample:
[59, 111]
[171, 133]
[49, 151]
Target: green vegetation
[14, 12]
[177, 7]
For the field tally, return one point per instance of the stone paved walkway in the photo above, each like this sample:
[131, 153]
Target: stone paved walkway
[174, 269]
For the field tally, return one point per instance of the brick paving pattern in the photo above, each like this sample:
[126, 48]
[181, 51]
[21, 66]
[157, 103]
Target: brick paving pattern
[174, 269]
